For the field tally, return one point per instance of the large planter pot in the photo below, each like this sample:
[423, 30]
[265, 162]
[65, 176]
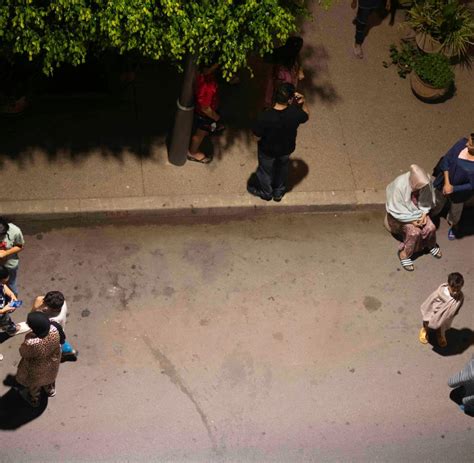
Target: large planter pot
[427, 43]
[424, 90]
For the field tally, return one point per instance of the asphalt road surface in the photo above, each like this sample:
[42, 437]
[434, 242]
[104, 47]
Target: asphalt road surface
[275, 339]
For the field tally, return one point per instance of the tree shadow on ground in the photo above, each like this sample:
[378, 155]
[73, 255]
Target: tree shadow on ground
[120, 120]
[70, 125]
[241, 103]
[457, 395]
[14, 411]
[458, 341]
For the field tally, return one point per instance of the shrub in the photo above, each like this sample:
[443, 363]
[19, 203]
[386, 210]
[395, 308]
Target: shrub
[434, 69]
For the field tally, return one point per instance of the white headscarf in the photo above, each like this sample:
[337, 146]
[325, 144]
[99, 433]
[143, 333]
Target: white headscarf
[399, 202]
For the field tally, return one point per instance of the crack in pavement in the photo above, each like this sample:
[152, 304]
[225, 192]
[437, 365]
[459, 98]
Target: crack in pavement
[169, 370]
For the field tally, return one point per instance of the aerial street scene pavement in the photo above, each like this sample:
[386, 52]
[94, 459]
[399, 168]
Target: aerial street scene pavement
[237, 231]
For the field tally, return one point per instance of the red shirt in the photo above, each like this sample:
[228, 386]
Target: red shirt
[206, 92]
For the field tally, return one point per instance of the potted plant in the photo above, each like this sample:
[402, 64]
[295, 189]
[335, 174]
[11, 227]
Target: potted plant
[442, 26]
[432, 76]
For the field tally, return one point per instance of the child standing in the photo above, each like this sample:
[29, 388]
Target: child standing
[53, 304]
[441, 307]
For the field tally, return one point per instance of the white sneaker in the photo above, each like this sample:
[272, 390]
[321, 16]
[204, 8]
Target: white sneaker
[1, 357]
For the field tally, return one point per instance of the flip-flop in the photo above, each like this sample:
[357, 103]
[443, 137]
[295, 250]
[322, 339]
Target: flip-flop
[204, 160]
[436, 252]
[407, 263]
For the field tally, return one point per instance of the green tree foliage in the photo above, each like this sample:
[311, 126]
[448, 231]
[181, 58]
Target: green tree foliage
[52, 32]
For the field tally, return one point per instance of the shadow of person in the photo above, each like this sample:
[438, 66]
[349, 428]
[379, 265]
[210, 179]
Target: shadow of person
[456, 396]
[458, 341]
[298, 170]
[14, 411]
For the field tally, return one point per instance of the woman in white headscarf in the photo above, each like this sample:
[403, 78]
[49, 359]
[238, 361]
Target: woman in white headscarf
[410, 198]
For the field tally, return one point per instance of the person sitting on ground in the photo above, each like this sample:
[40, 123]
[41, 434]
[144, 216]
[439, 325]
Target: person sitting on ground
[206, 117]
[410, 198]
[454, 184]
[286, 68]
[53, 304]
[40, 359]
[6, 296]
[440, 308]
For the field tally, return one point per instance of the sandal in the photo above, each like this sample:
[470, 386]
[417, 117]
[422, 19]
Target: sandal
[204, 160]
[407, 263]
[423, 335]
[436, 252]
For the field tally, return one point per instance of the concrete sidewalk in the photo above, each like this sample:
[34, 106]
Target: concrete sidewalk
[107, 157]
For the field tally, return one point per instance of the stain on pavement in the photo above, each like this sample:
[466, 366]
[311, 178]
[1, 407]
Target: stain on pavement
[371, 303]
[168, 369]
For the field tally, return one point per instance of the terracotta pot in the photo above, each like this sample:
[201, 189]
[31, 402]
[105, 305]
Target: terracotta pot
[426, 91]
[427, 43]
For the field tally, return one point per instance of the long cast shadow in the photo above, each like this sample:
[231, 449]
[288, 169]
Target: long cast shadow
[14, 411]
[459, 340]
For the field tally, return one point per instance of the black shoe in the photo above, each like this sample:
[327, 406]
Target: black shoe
[253, 191]
[279, 197]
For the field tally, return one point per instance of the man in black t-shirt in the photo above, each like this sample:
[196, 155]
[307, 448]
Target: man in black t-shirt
[276, 130]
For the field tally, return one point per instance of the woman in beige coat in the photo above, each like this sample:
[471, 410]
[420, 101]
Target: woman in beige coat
[40, 358]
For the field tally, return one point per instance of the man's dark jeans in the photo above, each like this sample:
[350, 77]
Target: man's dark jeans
[272, 175]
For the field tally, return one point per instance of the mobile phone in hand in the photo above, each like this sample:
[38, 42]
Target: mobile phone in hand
[15, 304]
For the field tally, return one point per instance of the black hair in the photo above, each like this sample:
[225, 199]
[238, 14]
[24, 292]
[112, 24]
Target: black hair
[455, 280]
[4, 226]
[284, 92]
[287, 55]
[4, 273]
[54, 300]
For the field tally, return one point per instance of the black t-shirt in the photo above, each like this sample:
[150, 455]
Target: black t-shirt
[277, 130]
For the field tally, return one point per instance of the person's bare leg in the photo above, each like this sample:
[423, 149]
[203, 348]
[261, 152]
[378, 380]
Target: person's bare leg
[196, 141]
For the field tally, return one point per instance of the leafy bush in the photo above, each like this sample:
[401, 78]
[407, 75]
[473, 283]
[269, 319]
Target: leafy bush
[447, 21]
[404, 57]
[434, 69]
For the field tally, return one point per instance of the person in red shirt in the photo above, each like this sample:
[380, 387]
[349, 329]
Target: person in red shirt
[206, 94]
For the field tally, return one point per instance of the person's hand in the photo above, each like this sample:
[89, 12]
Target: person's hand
[423, 220]
[354, 4]
[447, 189]
[3, 254]
[300, 74]
[299, 98]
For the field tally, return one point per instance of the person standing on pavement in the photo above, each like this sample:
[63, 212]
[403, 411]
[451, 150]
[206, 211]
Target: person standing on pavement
[410, 198]
[454, 183]
[364, 9]
[53, 305]
[276, 130]
[440, 308]
[286, 68]
[11, 243]
[40, 359]
[206, 117]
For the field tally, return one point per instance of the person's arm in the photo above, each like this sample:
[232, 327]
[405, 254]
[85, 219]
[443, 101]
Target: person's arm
[354, 4]
[38, 304]
[464, 187]
[9, 252]
[302, 102]
[9, 293]
[27, 350]
[209, 112]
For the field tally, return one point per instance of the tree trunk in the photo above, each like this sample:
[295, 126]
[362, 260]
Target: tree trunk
[183, 123]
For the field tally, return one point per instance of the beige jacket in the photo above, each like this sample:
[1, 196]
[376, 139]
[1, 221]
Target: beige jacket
[440, 308]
